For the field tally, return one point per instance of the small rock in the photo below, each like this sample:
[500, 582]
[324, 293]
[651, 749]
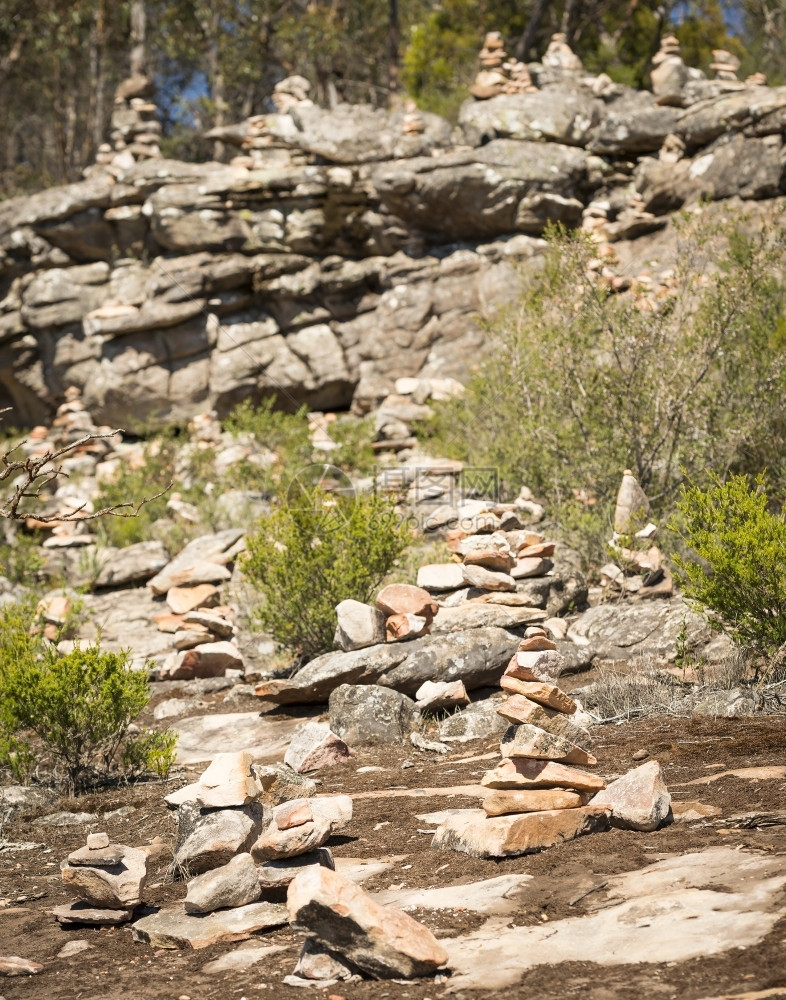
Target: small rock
[477, 721]
[75, 947]
[400, 628]
[534, 743]
[213, 623]
[280, 783]
[432, 695]
[210, 659]
[548, 695]
[318, 964]
[228, 781]
[184, 599]
[486, 579]
[314, 747]
[404, 599]
[278, 874]
[530, 566]
[274, 843]
[384, 942]
[529, 665]
[99, 857]
[95, 841]
[210, 838]
[65, 819]
[640, 755]
[519, 710]
[13, 965]
[639, 800]
[234, 884]
[523, 773]
[291, 814]
[441, 576]
[421, 743]
[501, 803]
[536, 644]
[359, 625]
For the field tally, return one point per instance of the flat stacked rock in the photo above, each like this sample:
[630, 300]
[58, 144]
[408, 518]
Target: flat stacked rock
[725, 65]
[669, 73]
[136, 130]
[107, 879]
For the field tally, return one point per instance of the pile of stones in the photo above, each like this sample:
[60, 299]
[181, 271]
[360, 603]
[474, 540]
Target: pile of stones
[108, 881]
[669, 73]
[539, 796]
[498, 74]
[203, 635]
[136, 130]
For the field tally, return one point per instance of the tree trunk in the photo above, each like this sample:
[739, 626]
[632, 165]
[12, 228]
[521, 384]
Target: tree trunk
[527, 40]
[394, 37]
[138, 55]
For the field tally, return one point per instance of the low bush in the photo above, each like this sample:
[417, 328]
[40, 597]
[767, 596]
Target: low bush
[311, 554]
[71, 715]
[739, 578]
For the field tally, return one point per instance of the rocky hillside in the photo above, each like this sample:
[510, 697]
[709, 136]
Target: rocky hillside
[341, 249]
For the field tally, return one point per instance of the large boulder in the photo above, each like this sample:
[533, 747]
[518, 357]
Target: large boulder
[557, 114]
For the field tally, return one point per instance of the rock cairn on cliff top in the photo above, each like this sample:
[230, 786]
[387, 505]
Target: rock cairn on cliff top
[725, 65]
[413, 122]
[107, 879]
[669, 73]
[560, 57]
[136, 130]
[539, 795]
[291, 92]
[498, 74]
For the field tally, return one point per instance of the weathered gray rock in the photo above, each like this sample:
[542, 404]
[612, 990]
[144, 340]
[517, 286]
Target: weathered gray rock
[382, 941]
[477, 721]
[280, 783]
[210, 838]
[619, 631]
[234, 884]
[133, 564]
[358, 626]
[81, 914]
[318, 964]
[529, 741]
[277, 844]
[203, 560]
[633, 124]
[172, 927]
[363, 714]
[523, 773]
[432, 695]
[556, 114]
[477, 658]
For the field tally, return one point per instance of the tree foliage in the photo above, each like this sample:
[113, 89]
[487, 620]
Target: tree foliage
[739, 578]
[688, 383]
[71, 713]
[314, 552]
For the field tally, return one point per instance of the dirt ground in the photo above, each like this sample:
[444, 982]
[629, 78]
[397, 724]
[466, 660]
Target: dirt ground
[385, 826]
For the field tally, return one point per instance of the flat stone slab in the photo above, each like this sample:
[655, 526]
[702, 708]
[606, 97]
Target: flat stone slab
[79, 914]
[174, 928]
[203, 737]
[242, 958]
[491, 896]
[481, 836]
[686, 907]
[768, 773]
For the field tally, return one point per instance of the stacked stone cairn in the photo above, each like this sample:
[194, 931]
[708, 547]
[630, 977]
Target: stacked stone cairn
[539, 795]
[669, 73]
[725, 65]
[498, 74]
[639, 571]
[108, 881]
[203, 634]
[136, 130]
[560, 57]
[412, 123]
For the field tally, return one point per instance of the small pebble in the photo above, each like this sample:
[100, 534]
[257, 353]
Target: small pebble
[95, 841]
[640, 755]
[406, 764]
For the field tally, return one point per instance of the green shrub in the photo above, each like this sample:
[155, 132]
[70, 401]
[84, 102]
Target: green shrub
[581, 383]
[739, 581]
[72, 712]
[284, 434]
[306, 558]
[21, 557]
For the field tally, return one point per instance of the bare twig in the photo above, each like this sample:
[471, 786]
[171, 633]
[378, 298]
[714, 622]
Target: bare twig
[594, 888]
[38, 472]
